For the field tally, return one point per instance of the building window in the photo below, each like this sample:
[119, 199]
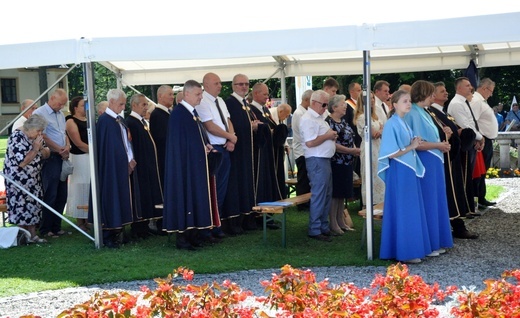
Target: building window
[9, 90]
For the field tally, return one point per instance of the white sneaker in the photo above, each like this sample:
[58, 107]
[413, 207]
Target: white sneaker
[413, 261]
[432, 254]
[440, 251]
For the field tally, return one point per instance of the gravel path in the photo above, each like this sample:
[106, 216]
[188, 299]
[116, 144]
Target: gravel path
[469, 263]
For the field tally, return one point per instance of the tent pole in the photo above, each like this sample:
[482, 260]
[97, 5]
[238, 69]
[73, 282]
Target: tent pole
[37, 99]
[90, 107]
[368, 154]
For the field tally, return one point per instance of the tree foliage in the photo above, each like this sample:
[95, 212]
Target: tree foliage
[507, 79]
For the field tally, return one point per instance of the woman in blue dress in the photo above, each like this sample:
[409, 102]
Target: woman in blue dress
[404, 235]
[430, 151]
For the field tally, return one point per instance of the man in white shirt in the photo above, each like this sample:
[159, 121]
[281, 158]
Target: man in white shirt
[464, 115]
[381, 93]
[319, 146]
[19, 122]
[489, 128]
[303, 185]
[214, 114]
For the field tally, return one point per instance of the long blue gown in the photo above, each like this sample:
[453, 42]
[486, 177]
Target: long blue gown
[404, 232]
[433, 184]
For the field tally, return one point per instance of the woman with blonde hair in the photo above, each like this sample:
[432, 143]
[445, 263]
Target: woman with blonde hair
[378, 186]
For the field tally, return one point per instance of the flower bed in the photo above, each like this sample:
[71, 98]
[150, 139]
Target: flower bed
[296, 293]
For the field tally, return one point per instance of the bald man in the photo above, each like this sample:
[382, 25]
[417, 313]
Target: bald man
[265, 176]
[26, 103]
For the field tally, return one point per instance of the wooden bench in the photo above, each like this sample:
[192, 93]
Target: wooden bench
[272, 212]
[291, 186]
[376, 216]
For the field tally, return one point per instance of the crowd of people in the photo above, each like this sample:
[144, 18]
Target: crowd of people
[196, 164]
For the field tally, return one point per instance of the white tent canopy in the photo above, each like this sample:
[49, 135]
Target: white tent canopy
[445, 35]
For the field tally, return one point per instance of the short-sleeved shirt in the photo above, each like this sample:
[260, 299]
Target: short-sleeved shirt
[55, 130]
[313, 125]
[207, 111]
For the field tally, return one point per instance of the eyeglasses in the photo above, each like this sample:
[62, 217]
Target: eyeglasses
[322, 104]
[241, 84]
[490, 90]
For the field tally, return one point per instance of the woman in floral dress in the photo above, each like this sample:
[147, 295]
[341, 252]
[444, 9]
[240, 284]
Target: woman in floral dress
[23, 163]
[341, 164]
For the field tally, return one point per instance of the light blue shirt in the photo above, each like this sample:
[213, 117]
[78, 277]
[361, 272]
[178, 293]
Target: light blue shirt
[55, 130]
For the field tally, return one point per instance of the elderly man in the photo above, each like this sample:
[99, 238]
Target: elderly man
[303, 185]
[319, 146]
[240, 196]
[54, 190]
[146, 174]
[268, 189]
[488, 125]
[101, 107]
[116, 164]
[26, 103]
[280, 132]
[159, 124]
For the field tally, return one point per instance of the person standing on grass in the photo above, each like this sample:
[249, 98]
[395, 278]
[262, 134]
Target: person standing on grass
[404, 233]
[341, 164]
[54, 190]
[188, 207]
[318, 141]
[24, 157]
[79, 182]
[115, 166]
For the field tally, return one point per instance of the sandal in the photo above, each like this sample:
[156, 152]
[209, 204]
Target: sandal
[51, 234]
[36, 239]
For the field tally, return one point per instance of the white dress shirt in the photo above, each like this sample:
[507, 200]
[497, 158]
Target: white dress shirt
[379, 110]
[297, 139]
[462, 114]
[207, 111]
[313, 125]
[485, 116]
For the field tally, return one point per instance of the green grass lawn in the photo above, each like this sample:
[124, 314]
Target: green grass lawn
[73, 260]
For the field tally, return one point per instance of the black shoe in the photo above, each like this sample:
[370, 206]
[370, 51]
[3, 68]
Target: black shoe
[465, 235]
[485, 202]
[329, 233]
[219, 235]
[468, 216]
[185, 246]
[112, 244]
[210, 239]
[321, 237]
[473, 214]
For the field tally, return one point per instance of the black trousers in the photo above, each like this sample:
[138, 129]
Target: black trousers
[479, 184]
[303, 185]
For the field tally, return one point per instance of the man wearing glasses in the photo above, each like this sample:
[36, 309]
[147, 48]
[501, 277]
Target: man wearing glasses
[489, 128]
[319, 146]
[240, 192]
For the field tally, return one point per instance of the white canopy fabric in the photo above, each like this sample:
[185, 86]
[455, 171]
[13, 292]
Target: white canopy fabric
[303, 40]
